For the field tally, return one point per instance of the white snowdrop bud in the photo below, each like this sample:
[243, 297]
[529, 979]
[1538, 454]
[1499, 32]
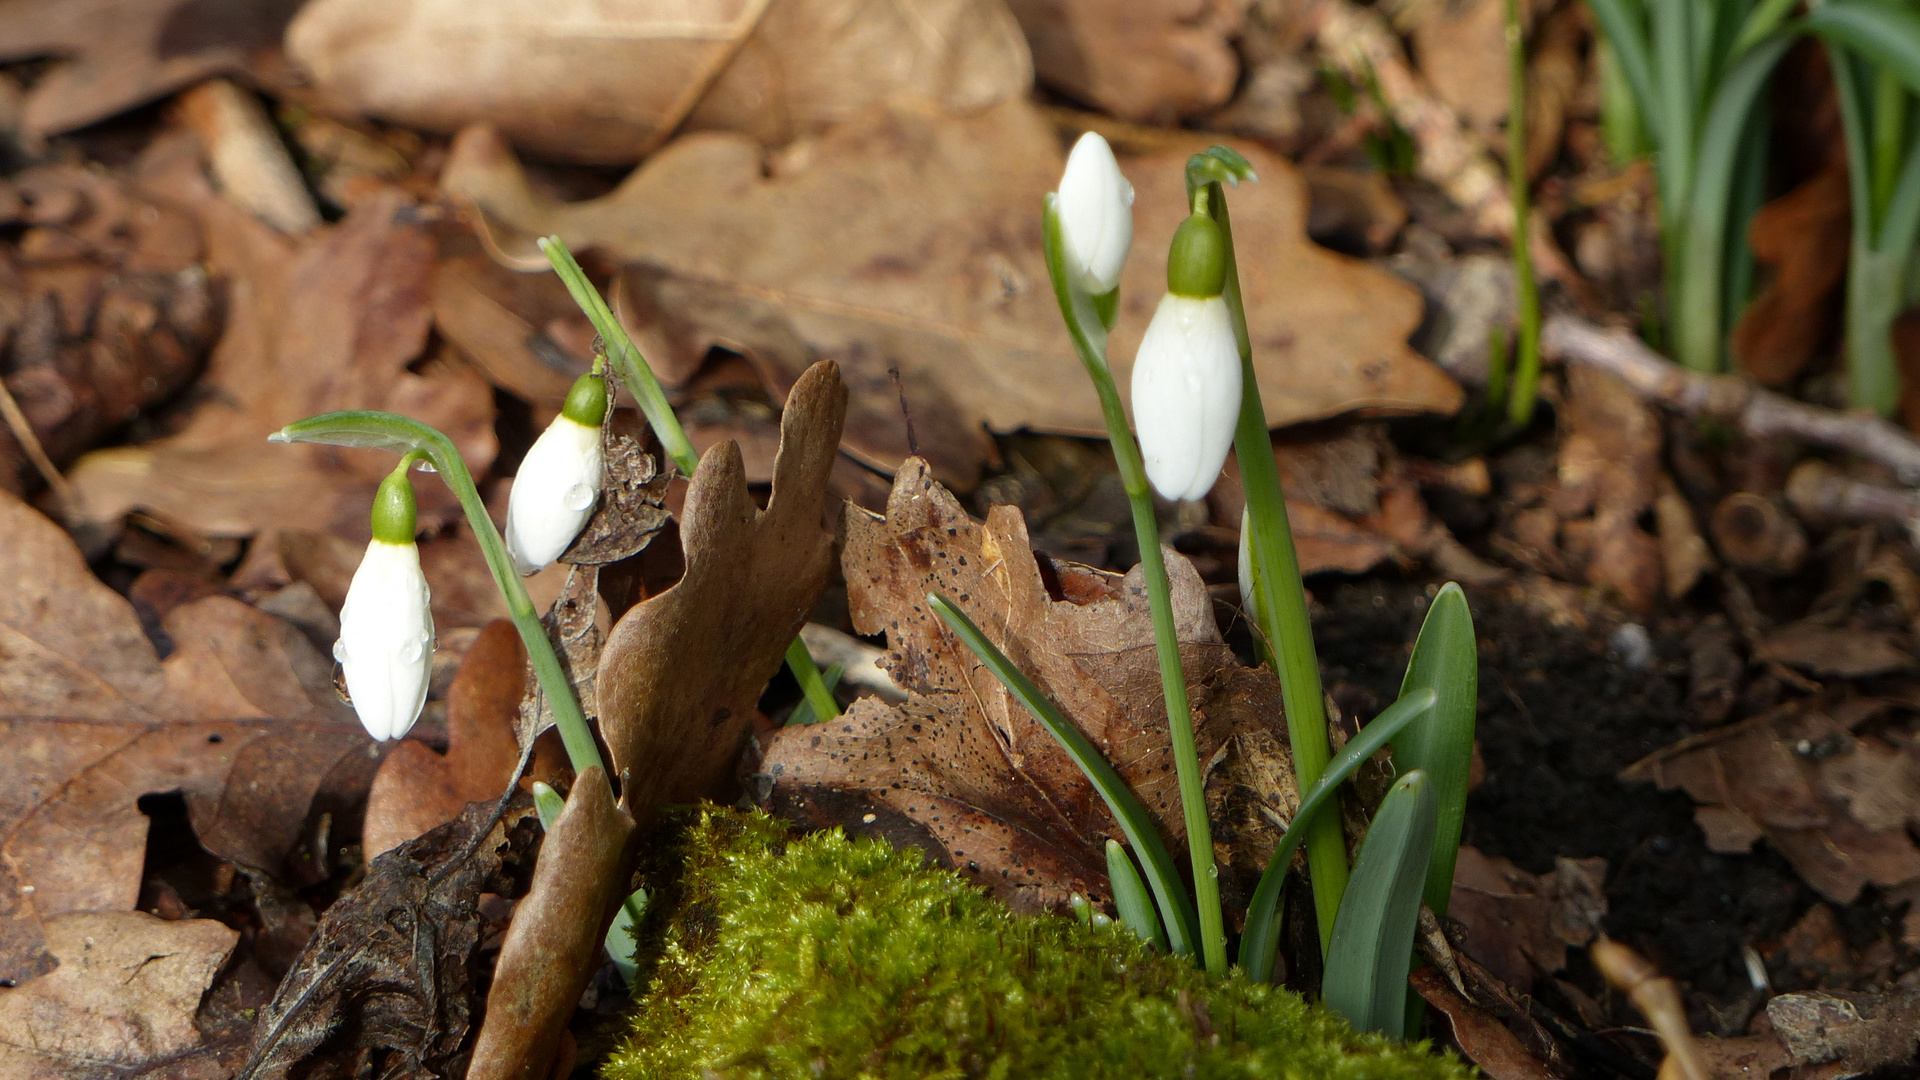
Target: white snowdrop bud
[559, 479]
[386, 627]
[1096, 214]
[1186, 376]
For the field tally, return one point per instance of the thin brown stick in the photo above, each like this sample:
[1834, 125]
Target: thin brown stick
[1659, 1001]
[1759, 414]
[30, 445]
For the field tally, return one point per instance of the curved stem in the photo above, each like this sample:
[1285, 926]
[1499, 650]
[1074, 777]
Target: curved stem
[1153, 569]
[1526, 369]
[404, 435]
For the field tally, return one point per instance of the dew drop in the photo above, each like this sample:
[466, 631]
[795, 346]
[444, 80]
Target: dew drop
[340, 649]
[578, 497]
[410, 653]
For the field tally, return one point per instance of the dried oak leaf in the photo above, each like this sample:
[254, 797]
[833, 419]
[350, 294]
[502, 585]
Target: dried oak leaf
[331, 321]
[416, 789]
[1481, 1037]
[606, 82]
[1804, 235]
[1610, 468]
[96, 719]
[1760, 778]
[1152, 61]
[934, 270]
[682, 671]
[121, 1003]
[116, 54]
[390, 976]
[960, 769]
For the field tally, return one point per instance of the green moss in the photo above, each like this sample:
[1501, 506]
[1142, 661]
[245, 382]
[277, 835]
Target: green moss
[820, 957]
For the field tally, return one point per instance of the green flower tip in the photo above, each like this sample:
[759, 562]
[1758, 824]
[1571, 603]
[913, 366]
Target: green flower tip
[1197, 262]
[393, 508]
[587, 401]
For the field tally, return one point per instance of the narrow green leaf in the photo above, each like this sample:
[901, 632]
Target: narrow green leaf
[1888, 35]
[621, 942]
[803, 713]
[1261, 937]
[1366, 978]
[1445, 660]
[401, 434]
[1625, 27]
[1130, 896]
[1176, 911]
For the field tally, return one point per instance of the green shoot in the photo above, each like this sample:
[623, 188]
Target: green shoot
[1526, 372]
[621, 942]
[1131, 898]
[805, 713]
[1446, 661]
[1366, 979]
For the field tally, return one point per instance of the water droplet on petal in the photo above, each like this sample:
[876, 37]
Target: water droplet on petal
[577, 498]
[340, 649]
[410, 653]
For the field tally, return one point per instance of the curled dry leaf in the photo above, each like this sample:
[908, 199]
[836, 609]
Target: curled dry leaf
[1610, 468]
[1152, 61]
[1840, 815]
[606, 81]
[416, 789]
[332, 321]
[98, 720]
[1804, 235]
[390, 974]
[936, 272]
[961, 770]
[632, 507]
[720, 633]
[1481, 1037]
[121, 1002]
[116, 54]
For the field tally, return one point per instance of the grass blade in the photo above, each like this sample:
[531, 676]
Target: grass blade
[1445, 660]
[1176, 911]
[1130, 897]
[1625, 28]
[1887, 35]
[622, 941]
[1261, 937]
[805, 713]
[1366, 979]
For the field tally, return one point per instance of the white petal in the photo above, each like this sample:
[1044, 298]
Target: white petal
[386, 639]
[1096, 214]
[553, 493]
[1186, 394]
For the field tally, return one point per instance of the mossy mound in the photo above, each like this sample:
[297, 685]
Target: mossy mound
[811, 957]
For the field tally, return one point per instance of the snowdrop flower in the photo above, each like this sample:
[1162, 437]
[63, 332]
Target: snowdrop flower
[386, 627]
[1096, 214]
[558, 480]
[1186, 377]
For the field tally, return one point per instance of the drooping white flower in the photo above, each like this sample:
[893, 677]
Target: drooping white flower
[1186, 394]
[559, 479]
[1096, 214]
[386, 626]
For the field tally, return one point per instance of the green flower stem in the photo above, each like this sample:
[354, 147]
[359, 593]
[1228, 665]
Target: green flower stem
[1088, 332]
[1526, 371]
[404, 435]
[640, 379]
[1280, 597]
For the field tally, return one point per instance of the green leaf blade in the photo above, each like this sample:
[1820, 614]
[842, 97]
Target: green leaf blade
[1446, 661]
[1130, 897]
[1366, 978]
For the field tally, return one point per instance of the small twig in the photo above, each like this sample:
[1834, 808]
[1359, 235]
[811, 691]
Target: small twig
[36, 453]
[906, 413]
[1756, 534]
[1758, 413]
[1659, 1001]
[1819, 493]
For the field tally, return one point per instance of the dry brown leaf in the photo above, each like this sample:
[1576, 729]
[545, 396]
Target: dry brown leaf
[121, 1003]
[1803, 235]
[606, 81]
[716, 636]
[1842, 651]
[1151, 61]
[501, 320]
[1506, 917]
[1482, 1039]
[1610, 467]
[935, 270]
[1461, 49]
[416, 789]
[961, 769]
[1765, 777]
[392, 968]
[330, 322]
[117, 54]
[1861, 1031]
